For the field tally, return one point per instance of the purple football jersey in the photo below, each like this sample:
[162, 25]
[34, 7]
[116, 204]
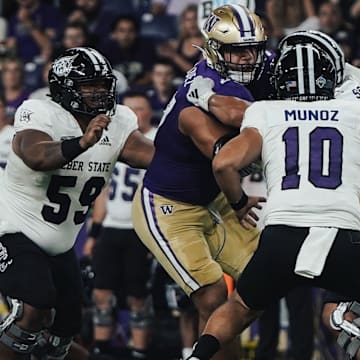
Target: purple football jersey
[179, 170]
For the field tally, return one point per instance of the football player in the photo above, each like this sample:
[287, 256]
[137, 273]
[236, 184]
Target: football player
[179, 212]
[309, 148]
[121, 262]
[63, 153]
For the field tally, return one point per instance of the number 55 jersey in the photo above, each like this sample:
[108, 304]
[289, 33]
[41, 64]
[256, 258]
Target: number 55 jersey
[50, 206]
[311, 161]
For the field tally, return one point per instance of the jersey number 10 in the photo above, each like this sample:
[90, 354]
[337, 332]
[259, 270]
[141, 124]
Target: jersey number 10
[326, 175]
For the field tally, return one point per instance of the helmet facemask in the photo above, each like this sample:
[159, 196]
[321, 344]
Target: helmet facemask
[97, 96]
[246, 72]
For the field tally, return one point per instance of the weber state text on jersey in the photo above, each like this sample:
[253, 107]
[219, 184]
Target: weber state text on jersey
[49, 207]
[188, 176]
[311, 162]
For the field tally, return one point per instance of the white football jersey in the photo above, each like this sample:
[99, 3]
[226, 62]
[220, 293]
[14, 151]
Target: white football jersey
[350, 88]
[49, 207]
[6, 135]
[311, 162]
[123, 184]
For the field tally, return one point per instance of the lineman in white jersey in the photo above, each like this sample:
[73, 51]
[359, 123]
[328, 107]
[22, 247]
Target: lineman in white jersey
[63, 153]
[309, 148]
[121, 262]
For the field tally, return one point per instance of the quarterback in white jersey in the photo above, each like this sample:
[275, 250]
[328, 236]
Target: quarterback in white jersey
[63, 153]
[309, 148]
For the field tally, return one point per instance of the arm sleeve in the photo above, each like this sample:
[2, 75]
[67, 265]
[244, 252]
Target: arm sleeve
[33, 115]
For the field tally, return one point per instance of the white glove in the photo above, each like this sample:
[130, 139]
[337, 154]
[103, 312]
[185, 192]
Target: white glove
[200, 91]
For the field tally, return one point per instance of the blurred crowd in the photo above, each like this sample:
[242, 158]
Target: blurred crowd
[151, 44]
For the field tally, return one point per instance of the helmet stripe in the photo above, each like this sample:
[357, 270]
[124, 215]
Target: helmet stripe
[311, 67]
[92, 58]
[244, 20]
[99, 57]
[300, 69]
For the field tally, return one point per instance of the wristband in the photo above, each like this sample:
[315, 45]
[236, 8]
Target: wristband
[241, 203]
[71, 148]
[204, 100]
[95, 230]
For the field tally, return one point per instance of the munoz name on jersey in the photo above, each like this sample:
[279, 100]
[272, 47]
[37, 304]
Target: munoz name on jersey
[323, 115]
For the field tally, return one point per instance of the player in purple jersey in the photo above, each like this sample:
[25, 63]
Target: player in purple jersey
[179, 212]
[255, 75]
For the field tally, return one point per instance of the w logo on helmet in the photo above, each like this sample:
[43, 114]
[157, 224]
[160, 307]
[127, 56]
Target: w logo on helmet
[63, 65]
[210, 22]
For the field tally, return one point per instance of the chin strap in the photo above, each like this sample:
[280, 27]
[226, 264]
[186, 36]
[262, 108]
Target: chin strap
[349, 338]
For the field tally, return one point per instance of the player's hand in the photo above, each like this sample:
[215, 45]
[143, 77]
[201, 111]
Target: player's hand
[94, 130]
[200, 91]
[247, 215]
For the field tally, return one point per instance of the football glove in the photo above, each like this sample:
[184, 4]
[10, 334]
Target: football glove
[200, 91]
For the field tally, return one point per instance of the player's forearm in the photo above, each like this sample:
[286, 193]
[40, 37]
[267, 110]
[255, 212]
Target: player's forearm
[227, 109]
[228, 179]
[44, 156]
[51, 155]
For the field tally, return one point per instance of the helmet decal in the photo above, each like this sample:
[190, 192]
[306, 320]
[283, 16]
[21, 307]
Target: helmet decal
[63, 66]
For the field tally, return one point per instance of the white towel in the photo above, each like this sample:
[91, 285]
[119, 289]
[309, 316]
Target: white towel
[314, 251]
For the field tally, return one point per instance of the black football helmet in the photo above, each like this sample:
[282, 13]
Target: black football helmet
[82, 66]
[304, 73]
[324, 42]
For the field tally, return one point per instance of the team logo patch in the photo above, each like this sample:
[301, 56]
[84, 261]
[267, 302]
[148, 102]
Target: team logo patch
[320, 82]
[25, 115]
[63, 66]
[4, 258]
[105, 141]
[167, 209]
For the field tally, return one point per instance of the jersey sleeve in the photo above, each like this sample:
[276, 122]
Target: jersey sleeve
[254, 117]
[126, 122]
[33, 115]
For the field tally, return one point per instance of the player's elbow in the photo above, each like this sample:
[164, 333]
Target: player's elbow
[221, 164]
[35, 164]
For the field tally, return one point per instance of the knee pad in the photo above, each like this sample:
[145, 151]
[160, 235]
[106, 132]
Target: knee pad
[142, 319]
[58, 347]
[19, 340]
[105, 317]
[349, 338]
[176, 298]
